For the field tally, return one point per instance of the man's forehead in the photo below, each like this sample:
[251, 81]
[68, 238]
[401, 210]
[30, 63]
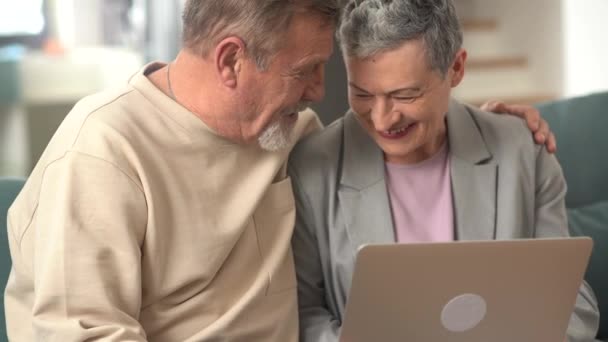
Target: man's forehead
[310, 44]
[310, 23]
[313, 59]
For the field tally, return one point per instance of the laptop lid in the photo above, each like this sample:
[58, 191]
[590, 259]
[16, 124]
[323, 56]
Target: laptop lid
[515, 290]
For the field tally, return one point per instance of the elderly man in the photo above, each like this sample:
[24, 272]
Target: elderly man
[161, 210]
[407, 164]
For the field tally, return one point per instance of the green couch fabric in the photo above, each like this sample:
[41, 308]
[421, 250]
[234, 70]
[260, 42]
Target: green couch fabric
[9, 188]
[581, 127]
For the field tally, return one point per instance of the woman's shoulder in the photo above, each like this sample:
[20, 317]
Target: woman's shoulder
[503, 132]
[323, 144]
[506, 139]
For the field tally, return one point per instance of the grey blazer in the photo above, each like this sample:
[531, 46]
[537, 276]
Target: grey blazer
[504, 187]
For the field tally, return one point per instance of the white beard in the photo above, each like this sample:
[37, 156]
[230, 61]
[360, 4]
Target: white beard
[276, 136]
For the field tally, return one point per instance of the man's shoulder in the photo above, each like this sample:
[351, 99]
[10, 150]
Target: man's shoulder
[91, 128]
[101, 114]
[97, 101]
[114, 106]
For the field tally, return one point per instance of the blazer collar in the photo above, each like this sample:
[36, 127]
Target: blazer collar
[364, 195]
[464, 136]
[474, 176]
[363, 161]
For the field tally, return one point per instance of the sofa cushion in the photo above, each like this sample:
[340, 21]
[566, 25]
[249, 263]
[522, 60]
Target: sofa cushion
[580, 124]
[592, 220]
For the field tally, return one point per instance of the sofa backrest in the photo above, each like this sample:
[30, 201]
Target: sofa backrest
[9, 188]
[581, 127]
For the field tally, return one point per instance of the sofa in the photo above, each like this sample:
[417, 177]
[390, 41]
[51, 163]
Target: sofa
[581, 127]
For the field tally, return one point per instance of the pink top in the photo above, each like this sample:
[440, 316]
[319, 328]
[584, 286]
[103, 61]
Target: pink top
[421, 199]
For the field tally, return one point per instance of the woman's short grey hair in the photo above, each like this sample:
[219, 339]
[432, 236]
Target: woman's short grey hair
[369, 27]
[262, 24]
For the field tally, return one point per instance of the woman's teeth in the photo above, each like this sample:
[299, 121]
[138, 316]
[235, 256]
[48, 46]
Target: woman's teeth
[398, 130]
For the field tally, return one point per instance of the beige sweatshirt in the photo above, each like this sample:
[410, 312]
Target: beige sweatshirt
[141, 224]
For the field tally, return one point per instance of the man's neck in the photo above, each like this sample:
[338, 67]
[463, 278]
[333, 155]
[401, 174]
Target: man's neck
[187, 81]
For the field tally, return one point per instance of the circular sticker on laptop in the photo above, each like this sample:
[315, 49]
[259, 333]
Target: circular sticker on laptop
[463, 313]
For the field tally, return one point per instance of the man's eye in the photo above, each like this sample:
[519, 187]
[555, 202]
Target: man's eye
[301, 75]
[363, 96]
[304, 73]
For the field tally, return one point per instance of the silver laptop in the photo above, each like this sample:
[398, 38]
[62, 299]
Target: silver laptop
[475, 291]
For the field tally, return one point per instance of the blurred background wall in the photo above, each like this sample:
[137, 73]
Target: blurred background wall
[54, 52]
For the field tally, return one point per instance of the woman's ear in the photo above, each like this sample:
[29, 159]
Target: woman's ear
[228, 56]
[457, 68]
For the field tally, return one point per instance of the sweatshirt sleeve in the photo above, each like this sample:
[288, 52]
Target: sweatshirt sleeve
[90, 224]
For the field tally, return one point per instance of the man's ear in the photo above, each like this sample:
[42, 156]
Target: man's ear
[228, 56]
[457, 68]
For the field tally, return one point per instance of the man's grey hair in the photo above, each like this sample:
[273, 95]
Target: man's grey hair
[369, 27]
[262, 24]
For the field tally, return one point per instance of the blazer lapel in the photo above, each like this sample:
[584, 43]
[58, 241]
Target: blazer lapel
[474, 177]
[362, 193]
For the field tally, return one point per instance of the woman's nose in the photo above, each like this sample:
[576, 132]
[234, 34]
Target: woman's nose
[382, 115]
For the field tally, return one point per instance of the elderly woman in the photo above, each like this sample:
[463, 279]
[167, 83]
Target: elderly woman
[409, 164]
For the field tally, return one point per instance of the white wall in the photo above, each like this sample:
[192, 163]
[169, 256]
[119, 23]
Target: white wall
[526, 28]
[586, 46]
